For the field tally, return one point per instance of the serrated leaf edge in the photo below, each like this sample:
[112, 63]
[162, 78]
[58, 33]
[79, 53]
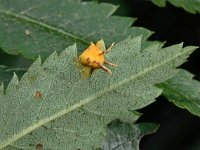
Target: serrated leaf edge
[87, 100]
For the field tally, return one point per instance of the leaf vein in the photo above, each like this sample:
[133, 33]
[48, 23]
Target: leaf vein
[42, 24]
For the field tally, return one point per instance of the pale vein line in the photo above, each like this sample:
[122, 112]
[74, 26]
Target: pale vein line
[39, 123]
[42, 24]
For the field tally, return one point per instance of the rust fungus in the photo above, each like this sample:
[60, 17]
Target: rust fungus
[38, 147]
[93, 56]
[38, 95]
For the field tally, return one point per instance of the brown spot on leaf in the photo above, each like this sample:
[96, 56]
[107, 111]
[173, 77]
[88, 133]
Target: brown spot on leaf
[32, 79]
[38, 95]
[39, 147]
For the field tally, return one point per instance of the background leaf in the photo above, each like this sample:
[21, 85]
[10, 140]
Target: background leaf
[72, 113]
[183, 91]
[192, 6]
[124, 136]
[41, 27]
[6, 73]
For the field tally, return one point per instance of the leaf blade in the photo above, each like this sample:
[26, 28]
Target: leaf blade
[63, 94]
[127, 136]
[183, 91]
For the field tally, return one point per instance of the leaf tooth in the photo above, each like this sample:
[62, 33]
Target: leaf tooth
[2, 89]
[177, 47]
[134, 44]
[112, 10]
[52, 58]
[54, 55]
[186, 51]
[181, 45]
[152, 47]
[72, 50]
[37, 62]
[14, 80]
[131, 43]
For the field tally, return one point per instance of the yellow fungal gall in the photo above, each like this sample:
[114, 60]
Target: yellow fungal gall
[94, 56]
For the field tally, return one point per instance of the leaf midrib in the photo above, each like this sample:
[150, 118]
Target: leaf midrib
[43, 25]
[85, 101]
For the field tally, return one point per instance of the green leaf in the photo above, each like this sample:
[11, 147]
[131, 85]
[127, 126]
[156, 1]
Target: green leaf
[183, 91]
[192, 6]
[52, 105]
[41, 27]
[6, 73]
[124, 136]
[160, 3]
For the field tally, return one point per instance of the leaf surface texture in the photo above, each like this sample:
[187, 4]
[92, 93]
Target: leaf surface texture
[70, 112]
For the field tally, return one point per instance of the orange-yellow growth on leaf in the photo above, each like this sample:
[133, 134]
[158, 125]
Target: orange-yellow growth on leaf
[93, 56]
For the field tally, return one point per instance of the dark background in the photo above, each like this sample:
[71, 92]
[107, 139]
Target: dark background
[179, 129]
